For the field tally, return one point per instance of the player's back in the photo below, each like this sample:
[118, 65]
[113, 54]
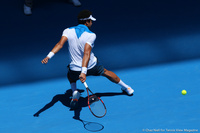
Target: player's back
[78, 36]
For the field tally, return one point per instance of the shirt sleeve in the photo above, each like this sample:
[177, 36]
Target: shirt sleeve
[66, 32]
[91, 40]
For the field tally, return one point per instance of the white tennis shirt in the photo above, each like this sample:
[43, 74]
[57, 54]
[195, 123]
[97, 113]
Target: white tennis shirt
[78, 36]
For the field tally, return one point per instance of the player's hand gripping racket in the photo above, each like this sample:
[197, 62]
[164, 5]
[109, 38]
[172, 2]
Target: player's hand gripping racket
[95, 104]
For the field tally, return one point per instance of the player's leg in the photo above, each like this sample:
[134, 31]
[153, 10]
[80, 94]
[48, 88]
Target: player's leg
[114, 78]
[100, 70]
[72, 80]
[111, 76]
[72, 83]
[72, 77]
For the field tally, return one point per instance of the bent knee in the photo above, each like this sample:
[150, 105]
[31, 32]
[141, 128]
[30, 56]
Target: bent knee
[106, 72]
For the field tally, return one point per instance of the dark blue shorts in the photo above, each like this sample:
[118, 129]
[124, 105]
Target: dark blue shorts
[97, 70]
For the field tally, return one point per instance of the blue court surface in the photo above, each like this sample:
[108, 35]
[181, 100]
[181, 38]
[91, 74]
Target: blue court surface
[156, 106]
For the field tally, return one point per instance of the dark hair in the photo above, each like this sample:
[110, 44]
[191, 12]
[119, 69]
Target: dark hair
[83, 14]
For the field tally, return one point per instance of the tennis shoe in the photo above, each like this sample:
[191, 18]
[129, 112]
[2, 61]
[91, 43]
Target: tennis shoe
[76, 2]
[129, 91]
[75, 95]
[74, 101]
[27, 10]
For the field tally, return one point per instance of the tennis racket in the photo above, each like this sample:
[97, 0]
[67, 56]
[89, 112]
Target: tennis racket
[95, 104]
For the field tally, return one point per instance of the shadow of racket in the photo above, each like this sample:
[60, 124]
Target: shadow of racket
[91, 126]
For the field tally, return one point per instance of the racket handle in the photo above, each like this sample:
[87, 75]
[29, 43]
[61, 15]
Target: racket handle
[85, 84]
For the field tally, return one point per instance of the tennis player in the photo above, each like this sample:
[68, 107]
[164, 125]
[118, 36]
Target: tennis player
[83, 61]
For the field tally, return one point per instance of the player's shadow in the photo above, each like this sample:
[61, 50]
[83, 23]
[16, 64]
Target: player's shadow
[65, 99]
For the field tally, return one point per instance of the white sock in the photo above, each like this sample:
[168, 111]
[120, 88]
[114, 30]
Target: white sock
[122, 84]
[73, 86]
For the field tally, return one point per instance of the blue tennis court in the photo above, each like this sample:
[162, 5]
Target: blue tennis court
[157, 104]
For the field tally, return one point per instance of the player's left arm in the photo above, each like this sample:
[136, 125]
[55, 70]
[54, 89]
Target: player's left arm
[59, 45]
[56, 48]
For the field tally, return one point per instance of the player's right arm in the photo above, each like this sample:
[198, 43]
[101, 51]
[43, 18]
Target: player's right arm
[86, 58]
[56, 48]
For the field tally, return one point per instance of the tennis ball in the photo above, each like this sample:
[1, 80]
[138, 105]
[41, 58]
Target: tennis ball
[184, 92]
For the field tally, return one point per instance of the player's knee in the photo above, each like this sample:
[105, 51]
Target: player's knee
[105, 71]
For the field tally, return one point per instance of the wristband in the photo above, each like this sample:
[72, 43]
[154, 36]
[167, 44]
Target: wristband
[84, 70]
[50, 55]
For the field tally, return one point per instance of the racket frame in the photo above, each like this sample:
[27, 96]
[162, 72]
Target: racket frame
[88, 90]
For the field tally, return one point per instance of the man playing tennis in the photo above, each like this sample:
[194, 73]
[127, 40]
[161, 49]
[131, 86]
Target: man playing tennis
[83, 62]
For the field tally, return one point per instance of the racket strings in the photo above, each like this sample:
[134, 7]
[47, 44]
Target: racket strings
[93, 99]
[96, 106]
